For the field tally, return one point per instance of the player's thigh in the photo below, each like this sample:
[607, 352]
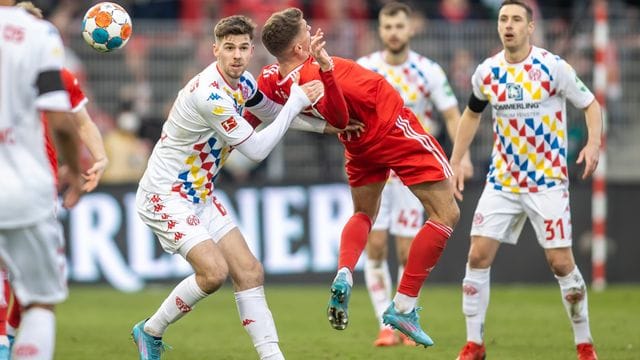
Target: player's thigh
[178, 223]
[499, 215]
[550, 214]
[407, 212]
[383, 218]
[34, 256]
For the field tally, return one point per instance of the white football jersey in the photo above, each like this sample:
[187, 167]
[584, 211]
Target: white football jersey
[31, 56]
[528, 102]
[203, 126]
[421, 83]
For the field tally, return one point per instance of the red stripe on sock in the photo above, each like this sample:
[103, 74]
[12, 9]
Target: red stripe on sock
[353, 240]
[424, 254]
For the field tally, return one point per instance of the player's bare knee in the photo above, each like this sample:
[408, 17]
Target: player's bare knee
[252, 275]
[561, 266]
[212, 279]
[478, 259]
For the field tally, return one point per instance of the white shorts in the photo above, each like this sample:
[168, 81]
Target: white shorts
[501, 215]
[400, 210]
[35, 258]
[180, 224]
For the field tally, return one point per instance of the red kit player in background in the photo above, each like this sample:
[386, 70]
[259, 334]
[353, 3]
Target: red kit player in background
[393, 140]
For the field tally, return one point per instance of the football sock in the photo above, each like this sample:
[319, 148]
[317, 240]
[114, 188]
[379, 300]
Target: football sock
[424, 253]
[378, 280]
[37, 335]
[574, 299]
[404, 303]
[14, 317]
[353, 240]
[181, 300]
[258, 322]
[347, 273]
[475, 301]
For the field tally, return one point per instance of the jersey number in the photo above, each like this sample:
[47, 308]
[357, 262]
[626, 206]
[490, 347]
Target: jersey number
[552, 226]
[409, 218]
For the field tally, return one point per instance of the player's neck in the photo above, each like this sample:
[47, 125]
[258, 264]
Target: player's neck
[286, 66]
[396, 58]
[515, 56]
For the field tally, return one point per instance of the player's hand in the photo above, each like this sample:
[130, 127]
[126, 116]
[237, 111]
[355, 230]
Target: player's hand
[354, 130]
[466, 166]
[314, 89]
[590, 155]
[319, 52]
[94, 174]
[71, 187]
[458, 180]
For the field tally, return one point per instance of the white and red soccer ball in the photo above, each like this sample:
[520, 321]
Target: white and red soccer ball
[106, 27]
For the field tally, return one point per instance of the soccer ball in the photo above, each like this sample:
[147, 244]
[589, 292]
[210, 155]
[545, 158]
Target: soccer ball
[106, 27]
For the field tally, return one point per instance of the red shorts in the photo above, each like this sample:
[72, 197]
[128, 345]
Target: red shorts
[407, 149]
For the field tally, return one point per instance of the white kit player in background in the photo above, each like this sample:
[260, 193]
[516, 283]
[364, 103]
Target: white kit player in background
[527, 88]
[31, 243]
[422, 84]
[175, 194]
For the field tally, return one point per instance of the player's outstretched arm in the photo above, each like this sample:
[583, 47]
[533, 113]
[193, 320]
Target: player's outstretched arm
[91, 137]
[467, 127]
[451, 117]
[590, 153]
[66, 135]
[257, 146]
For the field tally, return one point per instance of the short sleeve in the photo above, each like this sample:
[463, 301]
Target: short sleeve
[441, 92]
[570, 85]
[477, 84]
[51, 93]
[76, 95]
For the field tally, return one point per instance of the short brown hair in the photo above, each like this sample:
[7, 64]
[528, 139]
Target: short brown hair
[280, 30]
[234, 25]
[519, 3]
[31, 8]
[393, 8]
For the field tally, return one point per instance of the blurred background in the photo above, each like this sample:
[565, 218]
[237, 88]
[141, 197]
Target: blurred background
[292, 206]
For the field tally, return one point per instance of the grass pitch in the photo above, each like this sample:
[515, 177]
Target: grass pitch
[523, 322]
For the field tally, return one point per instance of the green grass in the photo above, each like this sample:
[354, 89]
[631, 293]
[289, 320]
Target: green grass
[524, 322]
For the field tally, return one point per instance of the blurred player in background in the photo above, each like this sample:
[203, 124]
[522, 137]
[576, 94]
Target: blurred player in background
[393, 139]
[423, 85]
[527, 88]
[31, 243]
[91, 137]
[175, 196]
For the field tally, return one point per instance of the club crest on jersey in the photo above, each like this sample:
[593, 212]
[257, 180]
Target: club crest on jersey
[230, 124]
[514, 92]
[535, 74]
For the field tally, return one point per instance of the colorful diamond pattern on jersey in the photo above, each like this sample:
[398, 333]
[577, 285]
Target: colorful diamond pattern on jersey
[529, 152]
[203, 165]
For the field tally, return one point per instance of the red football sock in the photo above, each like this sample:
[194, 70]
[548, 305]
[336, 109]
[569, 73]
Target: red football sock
[424, 253]
[353, 240]
[5, 309]
[15, 313]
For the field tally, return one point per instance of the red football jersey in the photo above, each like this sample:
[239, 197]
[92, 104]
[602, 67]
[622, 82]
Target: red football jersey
[78, 100]
[369, 97]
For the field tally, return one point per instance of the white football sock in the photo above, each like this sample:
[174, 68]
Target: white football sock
[181, 300]
[346, 271]
[378, 280]
[404, 303]
[572, 287]
[37, 335]
[475, 301]
[258, 322]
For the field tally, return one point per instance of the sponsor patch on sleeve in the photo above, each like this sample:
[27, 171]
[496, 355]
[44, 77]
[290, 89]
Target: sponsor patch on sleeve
[229, 125]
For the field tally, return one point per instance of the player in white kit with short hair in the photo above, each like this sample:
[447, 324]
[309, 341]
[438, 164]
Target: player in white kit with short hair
[31, 242]
[175, 197]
